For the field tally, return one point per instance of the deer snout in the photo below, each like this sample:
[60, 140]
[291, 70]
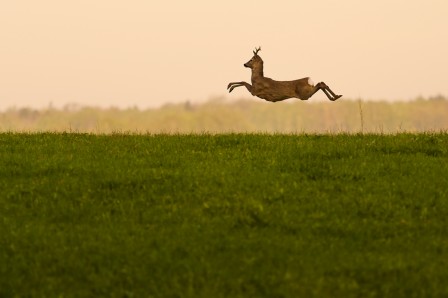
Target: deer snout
[246, 65]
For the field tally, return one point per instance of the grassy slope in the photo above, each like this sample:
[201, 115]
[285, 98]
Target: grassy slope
[224, 215]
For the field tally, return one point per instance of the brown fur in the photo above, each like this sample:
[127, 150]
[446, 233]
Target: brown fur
[271, 90]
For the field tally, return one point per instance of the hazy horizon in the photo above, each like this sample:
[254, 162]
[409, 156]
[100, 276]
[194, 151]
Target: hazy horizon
[147, 53]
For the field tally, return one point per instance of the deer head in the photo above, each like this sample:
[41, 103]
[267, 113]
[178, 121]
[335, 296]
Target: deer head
[256, 60]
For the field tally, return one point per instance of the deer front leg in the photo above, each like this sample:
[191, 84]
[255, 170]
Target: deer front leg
[233, 85]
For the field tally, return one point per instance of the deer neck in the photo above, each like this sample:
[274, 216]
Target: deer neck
[257, 72]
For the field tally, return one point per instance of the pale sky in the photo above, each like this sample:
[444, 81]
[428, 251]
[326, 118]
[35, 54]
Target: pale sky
[146, 53]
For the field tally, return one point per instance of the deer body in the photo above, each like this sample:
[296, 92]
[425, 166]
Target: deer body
[271, 90]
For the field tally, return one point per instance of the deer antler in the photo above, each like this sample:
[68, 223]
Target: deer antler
[257, 50]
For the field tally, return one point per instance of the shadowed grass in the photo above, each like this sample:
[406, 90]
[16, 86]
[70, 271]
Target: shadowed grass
[223, 215]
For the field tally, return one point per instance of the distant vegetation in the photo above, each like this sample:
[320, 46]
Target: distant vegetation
[220, 116]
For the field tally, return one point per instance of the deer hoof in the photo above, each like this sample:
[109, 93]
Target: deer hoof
[336, 97]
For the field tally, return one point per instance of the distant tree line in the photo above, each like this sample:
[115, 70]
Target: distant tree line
[220, 116]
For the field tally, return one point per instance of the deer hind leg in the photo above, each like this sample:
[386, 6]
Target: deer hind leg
[321, 86]
[233, 85]
[328, 92]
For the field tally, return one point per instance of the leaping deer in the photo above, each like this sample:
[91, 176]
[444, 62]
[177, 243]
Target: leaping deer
[272, 90]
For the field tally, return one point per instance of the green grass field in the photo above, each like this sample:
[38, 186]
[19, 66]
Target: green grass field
[223, 215]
